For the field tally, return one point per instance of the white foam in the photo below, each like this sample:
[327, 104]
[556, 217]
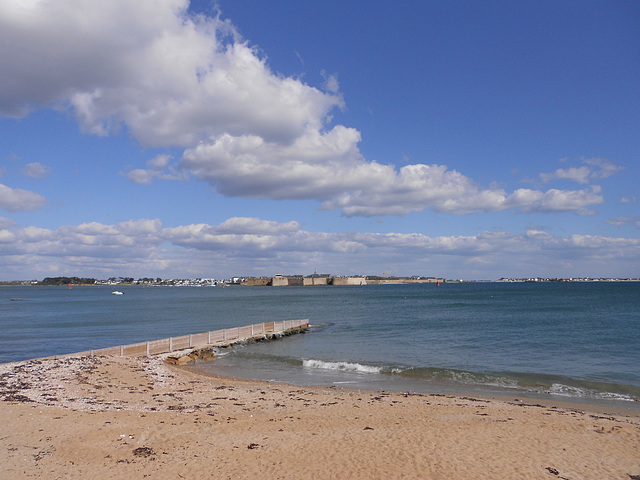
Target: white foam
[341, 366]
[568, 391]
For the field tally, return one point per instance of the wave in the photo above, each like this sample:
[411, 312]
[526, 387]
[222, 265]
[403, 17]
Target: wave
[449, 375]
[537, 384]
[580, 392]
[509, 382]
[341, 366]
[426, 379]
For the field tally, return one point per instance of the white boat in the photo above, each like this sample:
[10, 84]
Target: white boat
[117, 293]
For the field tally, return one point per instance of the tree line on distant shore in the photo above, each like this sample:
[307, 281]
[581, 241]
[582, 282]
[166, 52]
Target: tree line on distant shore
[67, 281]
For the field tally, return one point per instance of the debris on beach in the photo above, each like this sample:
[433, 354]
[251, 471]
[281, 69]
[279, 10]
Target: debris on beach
[143, 452]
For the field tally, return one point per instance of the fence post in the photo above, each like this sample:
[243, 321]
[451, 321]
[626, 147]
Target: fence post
[190, 341]
[224, 334]
[252, 334]
[92, 353]
[147, 349]
[170, 344]
[122, 350]
[209, 337]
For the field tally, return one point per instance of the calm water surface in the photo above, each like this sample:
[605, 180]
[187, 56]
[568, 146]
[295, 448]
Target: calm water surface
[564, 340]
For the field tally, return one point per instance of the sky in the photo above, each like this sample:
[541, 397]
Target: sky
[464, 140]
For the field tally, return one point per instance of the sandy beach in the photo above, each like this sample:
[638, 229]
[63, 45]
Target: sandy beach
[113, 417]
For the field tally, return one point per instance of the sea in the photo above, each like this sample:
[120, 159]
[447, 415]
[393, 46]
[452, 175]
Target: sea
[571, 341]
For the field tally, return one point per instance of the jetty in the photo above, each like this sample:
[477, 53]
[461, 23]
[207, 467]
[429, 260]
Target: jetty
[199, 346]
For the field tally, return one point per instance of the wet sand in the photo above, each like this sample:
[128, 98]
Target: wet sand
[112, 417]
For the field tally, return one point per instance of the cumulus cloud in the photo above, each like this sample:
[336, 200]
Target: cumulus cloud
[89, 248]
[421, 186]
[328, 166]
[17, 200]
[252, 246]
[172, 79]
[316, 165]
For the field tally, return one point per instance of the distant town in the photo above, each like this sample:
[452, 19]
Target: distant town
[276, 281]
[289, 280]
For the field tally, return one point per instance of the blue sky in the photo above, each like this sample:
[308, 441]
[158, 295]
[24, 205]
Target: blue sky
[470, 140]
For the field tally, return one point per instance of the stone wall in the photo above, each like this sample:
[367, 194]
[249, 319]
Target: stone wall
[311, 281]
[349, 281]
[280, 281]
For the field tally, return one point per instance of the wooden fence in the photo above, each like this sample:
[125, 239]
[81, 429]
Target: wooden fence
[196, 340]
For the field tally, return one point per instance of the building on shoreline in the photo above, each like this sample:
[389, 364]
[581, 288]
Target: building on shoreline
[327, 279]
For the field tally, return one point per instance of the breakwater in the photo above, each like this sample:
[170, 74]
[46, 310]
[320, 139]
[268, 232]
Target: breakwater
[186, 348]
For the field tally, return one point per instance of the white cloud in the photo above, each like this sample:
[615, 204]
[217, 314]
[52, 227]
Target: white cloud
[174, 80]
[622, 221]
[17, 200]
[331, 83]
[141, 176]
[159, 162]
[328, 166]
[603, 168]
[90, 248]
[252, 246]
[256, 226]
[595, 169]
[6, 223]
[315, 165]
[159, 167]
[577, 174]
[565, 200]
[451, 192]
[36, 170]
[619, 221]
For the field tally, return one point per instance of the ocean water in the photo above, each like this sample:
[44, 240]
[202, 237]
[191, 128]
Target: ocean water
[568, 341]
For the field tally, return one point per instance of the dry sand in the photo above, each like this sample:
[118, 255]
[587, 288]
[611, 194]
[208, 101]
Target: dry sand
[111, 417]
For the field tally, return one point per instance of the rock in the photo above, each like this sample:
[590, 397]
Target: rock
[184, 360]
[179, 360]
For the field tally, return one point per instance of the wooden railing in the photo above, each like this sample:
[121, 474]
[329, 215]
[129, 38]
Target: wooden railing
[196, 340]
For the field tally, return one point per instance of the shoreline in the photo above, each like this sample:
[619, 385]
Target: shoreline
[123, 417]
[517, 400]
[399, 386]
